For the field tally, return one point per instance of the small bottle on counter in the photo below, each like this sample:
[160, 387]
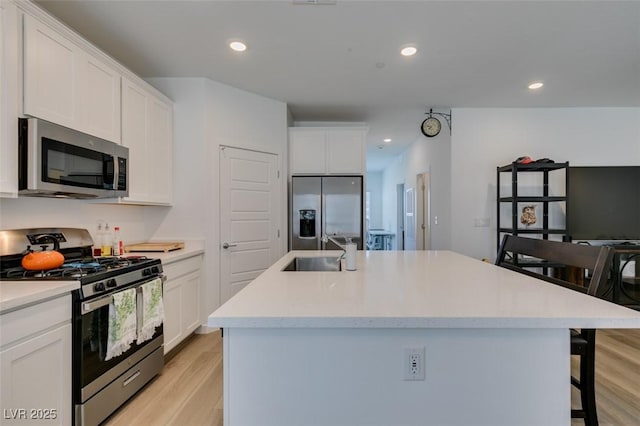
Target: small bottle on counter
[106, 241]
[117, 248]
[97, 244]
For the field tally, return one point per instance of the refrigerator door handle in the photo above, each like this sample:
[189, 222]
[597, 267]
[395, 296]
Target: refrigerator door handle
[323, 203]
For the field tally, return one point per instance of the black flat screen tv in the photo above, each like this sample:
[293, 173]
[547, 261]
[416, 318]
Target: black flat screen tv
[604, 203]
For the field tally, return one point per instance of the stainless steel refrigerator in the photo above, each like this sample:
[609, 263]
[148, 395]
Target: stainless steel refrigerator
[323, 207]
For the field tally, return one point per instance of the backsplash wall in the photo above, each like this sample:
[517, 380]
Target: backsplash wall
[137, 223]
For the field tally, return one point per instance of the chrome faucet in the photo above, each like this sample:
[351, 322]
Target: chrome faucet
[325, 239]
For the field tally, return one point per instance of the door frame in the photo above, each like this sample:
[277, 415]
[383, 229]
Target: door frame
[423, 211]
[399, 243]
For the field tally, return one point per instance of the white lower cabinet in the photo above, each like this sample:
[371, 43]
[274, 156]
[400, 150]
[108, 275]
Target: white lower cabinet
[35, 364]
[181, 300]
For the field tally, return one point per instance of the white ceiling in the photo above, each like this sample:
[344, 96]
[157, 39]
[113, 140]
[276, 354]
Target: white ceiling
[341, 62]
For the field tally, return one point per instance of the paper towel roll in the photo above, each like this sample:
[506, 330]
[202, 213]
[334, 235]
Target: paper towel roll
[350, 249]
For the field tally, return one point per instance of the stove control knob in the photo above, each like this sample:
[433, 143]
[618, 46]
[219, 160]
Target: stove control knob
[111, 283]
[146, 272]
[99, 287]
[155, 270]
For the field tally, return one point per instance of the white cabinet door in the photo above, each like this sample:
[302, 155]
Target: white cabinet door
[68, 86]
[328, 150]
[8, 99]
[160, 155]
[36, 379]
[307, 151]
[102, 100]
[147, 130]
[134, 136]
[181, 300]
[51, 75]
[345, 151]
[172, 301]
[191, 302]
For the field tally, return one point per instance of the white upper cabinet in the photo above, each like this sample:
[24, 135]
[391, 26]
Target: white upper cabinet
[69, 82]
[68, 86]
[307, 150]
[346, 150]
[160, 143]
[51, 75]
[102, 100]
[8, 99]
[327, 150]
[147, 130]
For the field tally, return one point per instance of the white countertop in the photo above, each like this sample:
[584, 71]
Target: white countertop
[414, 289]
[191, 248]
[18, 294]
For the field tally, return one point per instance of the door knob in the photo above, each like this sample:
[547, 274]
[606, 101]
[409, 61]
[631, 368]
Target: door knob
[227, 245]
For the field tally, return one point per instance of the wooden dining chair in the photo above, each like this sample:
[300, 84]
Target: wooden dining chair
[543, 256]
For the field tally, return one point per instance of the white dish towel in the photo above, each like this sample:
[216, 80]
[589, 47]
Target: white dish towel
[152, 309]
[122, 323]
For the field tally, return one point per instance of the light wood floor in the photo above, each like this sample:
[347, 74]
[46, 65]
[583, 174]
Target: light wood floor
[617, 378]
[189, 390]
[187, 393]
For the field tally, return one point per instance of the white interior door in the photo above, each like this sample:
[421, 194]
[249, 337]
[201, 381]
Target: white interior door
[249, 215]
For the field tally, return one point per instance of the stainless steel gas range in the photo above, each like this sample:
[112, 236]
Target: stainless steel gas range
[102, 381]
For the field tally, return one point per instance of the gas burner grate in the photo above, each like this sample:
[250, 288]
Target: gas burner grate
[120, 262]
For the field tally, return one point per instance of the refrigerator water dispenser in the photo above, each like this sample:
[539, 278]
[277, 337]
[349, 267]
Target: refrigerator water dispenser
[307, 223]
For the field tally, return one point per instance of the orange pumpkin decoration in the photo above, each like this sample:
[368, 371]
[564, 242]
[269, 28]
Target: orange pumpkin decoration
[42, 260]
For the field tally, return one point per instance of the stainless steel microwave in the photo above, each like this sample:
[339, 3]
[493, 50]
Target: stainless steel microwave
[54, 161]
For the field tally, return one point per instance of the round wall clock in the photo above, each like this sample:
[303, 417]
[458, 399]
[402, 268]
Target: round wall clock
[431, 126]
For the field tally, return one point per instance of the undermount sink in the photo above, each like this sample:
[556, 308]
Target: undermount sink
[314, 264]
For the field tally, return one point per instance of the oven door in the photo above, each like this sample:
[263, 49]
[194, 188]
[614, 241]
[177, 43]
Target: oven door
[92, 371]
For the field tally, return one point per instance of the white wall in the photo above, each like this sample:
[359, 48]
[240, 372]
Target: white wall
[137, 223]
[207, 115]
[374, 187]
[424, 155]
[484, 138]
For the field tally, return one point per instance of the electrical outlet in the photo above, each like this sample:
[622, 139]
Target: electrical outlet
[414, 363]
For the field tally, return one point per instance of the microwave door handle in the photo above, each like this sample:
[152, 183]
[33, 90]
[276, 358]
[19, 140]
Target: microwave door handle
[116, 172]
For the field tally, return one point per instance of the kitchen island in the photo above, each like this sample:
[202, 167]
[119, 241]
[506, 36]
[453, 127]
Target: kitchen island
[329, 348]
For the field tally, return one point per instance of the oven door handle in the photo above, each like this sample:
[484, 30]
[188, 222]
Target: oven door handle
[96, 304]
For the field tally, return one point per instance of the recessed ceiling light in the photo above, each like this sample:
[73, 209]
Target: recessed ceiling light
[387, 140]
[408, 51]
[536, 85]
[238, 46]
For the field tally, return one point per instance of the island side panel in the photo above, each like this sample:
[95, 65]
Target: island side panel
[298, 376]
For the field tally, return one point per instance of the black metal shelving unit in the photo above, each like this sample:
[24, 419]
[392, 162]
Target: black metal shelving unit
[515, 169]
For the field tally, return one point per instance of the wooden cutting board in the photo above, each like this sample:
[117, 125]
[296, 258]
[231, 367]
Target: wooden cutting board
[155, 246]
